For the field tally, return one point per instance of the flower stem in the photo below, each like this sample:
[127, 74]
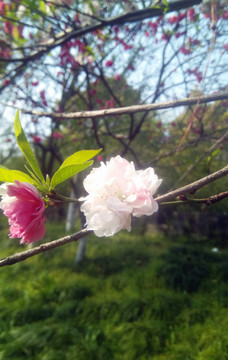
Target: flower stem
[66, 199]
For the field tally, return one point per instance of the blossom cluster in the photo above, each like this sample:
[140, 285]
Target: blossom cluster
[116, 192]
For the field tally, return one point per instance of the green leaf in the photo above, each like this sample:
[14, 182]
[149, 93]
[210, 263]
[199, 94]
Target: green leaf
[42, 6]
[66, 172]
[25, 148]
[7, 175]
[79, 157]
[89, 50]
[215, 152]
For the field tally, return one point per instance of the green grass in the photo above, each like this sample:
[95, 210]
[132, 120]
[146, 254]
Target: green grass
[134, 297]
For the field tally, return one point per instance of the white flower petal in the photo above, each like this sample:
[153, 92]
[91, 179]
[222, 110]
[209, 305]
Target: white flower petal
[116, 191]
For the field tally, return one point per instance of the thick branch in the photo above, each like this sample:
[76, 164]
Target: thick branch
[132, 109]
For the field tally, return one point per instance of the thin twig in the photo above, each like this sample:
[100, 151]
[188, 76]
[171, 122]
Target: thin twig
[201, 157]
[208, 201]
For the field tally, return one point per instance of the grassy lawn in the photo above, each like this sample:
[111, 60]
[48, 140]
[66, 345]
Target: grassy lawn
[134, 297]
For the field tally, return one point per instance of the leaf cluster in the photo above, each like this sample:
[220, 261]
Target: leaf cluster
[71, 166]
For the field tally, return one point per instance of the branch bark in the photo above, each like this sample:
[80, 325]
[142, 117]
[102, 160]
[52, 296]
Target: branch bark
[132, 109]
[193, 187]
[18, 257]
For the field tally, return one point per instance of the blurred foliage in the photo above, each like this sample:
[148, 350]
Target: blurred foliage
[134, 297]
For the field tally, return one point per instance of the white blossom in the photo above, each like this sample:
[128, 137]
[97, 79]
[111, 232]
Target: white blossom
[116, 191]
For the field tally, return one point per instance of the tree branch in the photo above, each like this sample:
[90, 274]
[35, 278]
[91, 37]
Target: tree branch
[18, 257]
[208, 201]
[193, 187]
[132, 109]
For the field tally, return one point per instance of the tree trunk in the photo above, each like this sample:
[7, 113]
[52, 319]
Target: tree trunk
[71, 213]
[81, 251]
[70, 221]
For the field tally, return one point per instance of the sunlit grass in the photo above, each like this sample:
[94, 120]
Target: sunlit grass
[120, 303]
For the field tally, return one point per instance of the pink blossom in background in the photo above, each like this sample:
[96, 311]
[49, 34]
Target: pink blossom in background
[127, 46]
[36, 139]
[23, 206]
[109, 104]
[179, 34]
[192, 14]
[116, 191]
[93, 92]
[153, 26]
[109, 63]
[5, 53]
[8, 27]
[225, 15]
[20, 31]
[131, 67]
[43, 97]
[99, 101]
[57, 135]
[2, 8]
[185, 50]
[6, 82]
[165, 37]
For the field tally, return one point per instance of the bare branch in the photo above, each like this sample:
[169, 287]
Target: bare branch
[208, 201]
[193, 187]
[132, 109]
[10, 260]
[201, 157]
